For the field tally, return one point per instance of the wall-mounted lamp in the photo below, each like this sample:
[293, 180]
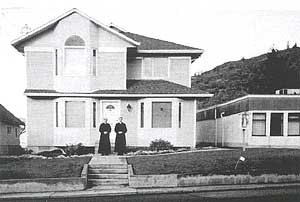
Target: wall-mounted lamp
[129, 107]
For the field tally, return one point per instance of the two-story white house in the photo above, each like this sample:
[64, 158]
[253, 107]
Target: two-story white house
[80, 71]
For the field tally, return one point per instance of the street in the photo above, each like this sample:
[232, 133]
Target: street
[288, 195]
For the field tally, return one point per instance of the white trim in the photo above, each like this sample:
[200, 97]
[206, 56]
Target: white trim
[39, 49]
[74, 10]
[117, 95]
[116, 26]
[195, 123]
[111, 49]
[171, 51]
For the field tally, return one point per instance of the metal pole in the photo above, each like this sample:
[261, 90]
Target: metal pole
[244, 140]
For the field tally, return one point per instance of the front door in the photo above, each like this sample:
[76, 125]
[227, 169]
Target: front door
[111, 111]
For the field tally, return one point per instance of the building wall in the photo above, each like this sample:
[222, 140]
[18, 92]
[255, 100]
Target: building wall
[131, 120]
[178, 69]
[8, 141]
[106, 44]
[186, 134]
[44, 134]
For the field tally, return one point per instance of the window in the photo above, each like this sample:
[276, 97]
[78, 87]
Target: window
[56, 63]
[74, 41]
[142, 115]
[276, 128]
[259, 124]
[179, 115]
[56, 114]
[161, 114]
[8, 130]
[94, 62]
[94, 114]
[16, 132]
[155, 67]
[75, 114]
[294, 124]
[75, 58]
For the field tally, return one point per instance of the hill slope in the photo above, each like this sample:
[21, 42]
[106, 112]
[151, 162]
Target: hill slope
[258, 75]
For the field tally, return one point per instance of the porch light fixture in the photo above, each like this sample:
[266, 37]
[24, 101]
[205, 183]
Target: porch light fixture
[129, 107]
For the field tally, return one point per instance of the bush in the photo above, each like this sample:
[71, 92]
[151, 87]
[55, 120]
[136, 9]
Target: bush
[18, 150]
[160, 145]
[78, 149]
[52, 153]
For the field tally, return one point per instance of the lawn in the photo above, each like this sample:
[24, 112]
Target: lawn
[24, 168]
[258, 161]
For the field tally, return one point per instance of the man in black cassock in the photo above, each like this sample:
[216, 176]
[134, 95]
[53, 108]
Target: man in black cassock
[104, 143]
[120, 143]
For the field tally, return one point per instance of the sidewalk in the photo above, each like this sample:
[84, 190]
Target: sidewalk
[131, 191]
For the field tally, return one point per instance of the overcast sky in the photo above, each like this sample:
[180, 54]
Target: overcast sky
[226, 30]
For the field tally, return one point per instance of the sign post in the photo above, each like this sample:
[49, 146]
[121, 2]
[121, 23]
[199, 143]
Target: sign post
[245, 121]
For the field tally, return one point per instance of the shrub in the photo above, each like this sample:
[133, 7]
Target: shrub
[78, 149]
[18, 150]
[52, 153]
[160, 145]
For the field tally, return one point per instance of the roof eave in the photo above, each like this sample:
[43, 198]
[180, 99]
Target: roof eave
[203, 95]
[192, 51]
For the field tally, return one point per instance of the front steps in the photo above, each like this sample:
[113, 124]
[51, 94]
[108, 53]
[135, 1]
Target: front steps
[108, 172]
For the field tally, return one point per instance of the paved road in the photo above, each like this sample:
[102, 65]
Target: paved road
[244, 196]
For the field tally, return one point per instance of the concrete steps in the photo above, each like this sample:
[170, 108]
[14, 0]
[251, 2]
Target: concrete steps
[108, 172]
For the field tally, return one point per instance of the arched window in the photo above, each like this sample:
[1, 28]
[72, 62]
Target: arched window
[74, 41]
[75, 57]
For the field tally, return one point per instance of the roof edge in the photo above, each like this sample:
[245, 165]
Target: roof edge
[57, 94]
[249, 96]
[45, 26]
[199, 51]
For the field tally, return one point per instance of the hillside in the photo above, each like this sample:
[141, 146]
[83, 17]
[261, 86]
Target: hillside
[258, 75]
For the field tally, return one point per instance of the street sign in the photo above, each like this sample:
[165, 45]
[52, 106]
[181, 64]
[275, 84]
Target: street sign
[245, 120]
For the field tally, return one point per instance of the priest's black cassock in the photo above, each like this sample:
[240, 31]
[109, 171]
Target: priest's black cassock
[104, 143]
[120, 143]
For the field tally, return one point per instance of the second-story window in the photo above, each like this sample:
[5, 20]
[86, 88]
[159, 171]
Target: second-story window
[94, 62]
[155, 67]
[75, 57]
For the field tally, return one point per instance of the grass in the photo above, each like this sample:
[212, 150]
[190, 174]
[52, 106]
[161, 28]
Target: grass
[24, 168]
[258, 161]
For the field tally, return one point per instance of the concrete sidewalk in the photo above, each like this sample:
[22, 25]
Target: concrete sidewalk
[132, 191]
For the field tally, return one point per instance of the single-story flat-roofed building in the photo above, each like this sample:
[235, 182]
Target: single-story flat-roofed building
[269, 121]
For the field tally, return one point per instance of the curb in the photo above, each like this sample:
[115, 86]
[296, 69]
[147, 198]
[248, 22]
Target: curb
[132, 191]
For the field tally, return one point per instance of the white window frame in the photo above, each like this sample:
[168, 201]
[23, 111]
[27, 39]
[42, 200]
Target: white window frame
[152, 70]
[96, 61]
[64, 60]
[189, 69]
[172, 115]
[42, 49]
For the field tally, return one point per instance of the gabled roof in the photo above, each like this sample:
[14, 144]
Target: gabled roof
[144, 44]
[8, 118]
[135, 88]
[53, 22]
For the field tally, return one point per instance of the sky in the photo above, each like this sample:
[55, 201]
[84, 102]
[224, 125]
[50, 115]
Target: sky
[226, 30]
